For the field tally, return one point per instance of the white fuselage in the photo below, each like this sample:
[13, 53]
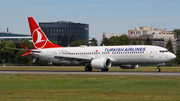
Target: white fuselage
[130, 54]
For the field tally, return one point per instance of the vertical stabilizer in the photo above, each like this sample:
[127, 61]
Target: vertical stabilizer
[40, 41]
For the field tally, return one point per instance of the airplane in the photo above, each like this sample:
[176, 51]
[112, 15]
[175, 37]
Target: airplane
[96, 57]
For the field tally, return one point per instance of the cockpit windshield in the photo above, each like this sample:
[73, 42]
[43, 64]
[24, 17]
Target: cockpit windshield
[163, 51]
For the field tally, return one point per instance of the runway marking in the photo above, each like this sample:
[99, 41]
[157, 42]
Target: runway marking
[91, 73]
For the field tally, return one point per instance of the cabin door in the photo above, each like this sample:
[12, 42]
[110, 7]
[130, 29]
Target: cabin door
[151, 54]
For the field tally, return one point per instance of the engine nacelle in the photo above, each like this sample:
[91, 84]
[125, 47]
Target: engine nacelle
[128, 66]
[101, 63]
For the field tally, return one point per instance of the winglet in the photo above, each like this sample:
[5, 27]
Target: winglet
[27, 49]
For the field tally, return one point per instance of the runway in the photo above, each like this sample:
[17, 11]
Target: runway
[91, 73]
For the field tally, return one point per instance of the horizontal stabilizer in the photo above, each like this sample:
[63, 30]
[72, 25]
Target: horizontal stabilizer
[27, 49]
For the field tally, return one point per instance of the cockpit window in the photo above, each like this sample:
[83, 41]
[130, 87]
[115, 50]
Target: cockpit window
[162, 51]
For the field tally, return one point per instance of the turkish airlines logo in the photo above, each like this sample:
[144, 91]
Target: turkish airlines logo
[39, 39]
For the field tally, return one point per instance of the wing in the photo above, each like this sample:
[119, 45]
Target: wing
[16, 49]
[72, 59]
[36, 51]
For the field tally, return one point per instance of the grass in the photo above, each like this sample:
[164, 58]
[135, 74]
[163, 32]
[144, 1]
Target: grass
[81, 68]
[21, 87]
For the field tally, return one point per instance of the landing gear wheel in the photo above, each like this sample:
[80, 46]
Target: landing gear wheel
[104, 70]
[88, 68]
[158, 70]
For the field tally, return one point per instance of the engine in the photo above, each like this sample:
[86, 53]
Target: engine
[101, 63]
[128, 66]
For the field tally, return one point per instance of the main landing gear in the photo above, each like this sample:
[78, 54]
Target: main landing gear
[104, 70]
[88, 68]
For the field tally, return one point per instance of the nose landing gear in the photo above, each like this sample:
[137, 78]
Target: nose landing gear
[88, 68]
[159, 65]
[158, 69]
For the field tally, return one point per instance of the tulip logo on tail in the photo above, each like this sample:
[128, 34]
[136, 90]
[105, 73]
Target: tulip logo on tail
[39, 39]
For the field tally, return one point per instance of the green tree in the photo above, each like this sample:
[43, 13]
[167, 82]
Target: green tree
[9, 52]
[147, 41]
[125, 39]
[139, 42]
[178, 55]
[105, 42]
[115, 40]
[134, 42]
[21, 60]
[177, 32]
[3, 52]
[93, 42]
[169, 46]
[77, 43]
[27, 43]
[18, 45]
[119, 40]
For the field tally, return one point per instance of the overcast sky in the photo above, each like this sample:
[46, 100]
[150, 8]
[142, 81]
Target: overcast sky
[110, 16]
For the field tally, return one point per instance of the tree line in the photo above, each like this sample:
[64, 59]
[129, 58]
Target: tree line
[123, 40]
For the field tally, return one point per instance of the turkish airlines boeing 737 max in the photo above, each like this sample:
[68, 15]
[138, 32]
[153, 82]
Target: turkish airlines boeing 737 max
[98, 57]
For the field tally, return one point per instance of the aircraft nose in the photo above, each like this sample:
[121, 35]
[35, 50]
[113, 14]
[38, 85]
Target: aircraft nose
[172, 56]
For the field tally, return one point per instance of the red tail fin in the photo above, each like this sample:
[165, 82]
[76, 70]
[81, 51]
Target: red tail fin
[27, 49]
[40, 40]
